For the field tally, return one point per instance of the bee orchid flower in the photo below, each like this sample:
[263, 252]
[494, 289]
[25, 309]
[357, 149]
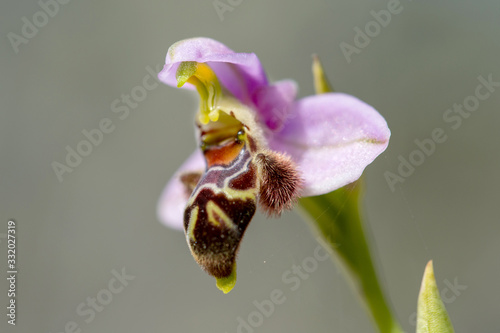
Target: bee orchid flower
[258, 148]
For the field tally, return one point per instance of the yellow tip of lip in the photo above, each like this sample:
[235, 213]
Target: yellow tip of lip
[227, 284]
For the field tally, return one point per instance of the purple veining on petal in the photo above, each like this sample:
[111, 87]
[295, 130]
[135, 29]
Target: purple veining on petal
[332, 137]
[240, 73]
[173, 200]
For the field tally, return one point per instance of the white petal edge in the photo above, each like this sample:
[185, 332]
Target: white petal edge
[172, 202]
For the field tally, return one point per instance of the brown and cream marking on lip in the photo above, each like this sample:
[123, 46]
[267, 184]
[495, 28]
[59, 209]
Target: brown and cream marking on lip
[226, 197]
[220, 209]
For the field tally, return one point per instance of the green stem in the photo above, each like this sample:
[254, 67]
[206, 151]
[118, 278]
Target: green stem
[336, 216]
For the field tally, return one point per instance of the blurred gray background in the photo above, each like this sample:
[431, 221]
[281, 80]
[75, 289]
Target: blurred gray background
[101, 217]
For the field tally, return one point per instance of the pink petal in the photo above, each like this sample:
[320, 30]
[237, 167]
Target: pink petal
[273, 103]
[332, 138]
[172, 203]
[240, 73]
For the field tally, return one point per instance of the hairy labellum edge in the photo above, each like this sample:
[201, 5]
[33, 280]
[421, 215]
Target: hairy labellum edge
[280, 182]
